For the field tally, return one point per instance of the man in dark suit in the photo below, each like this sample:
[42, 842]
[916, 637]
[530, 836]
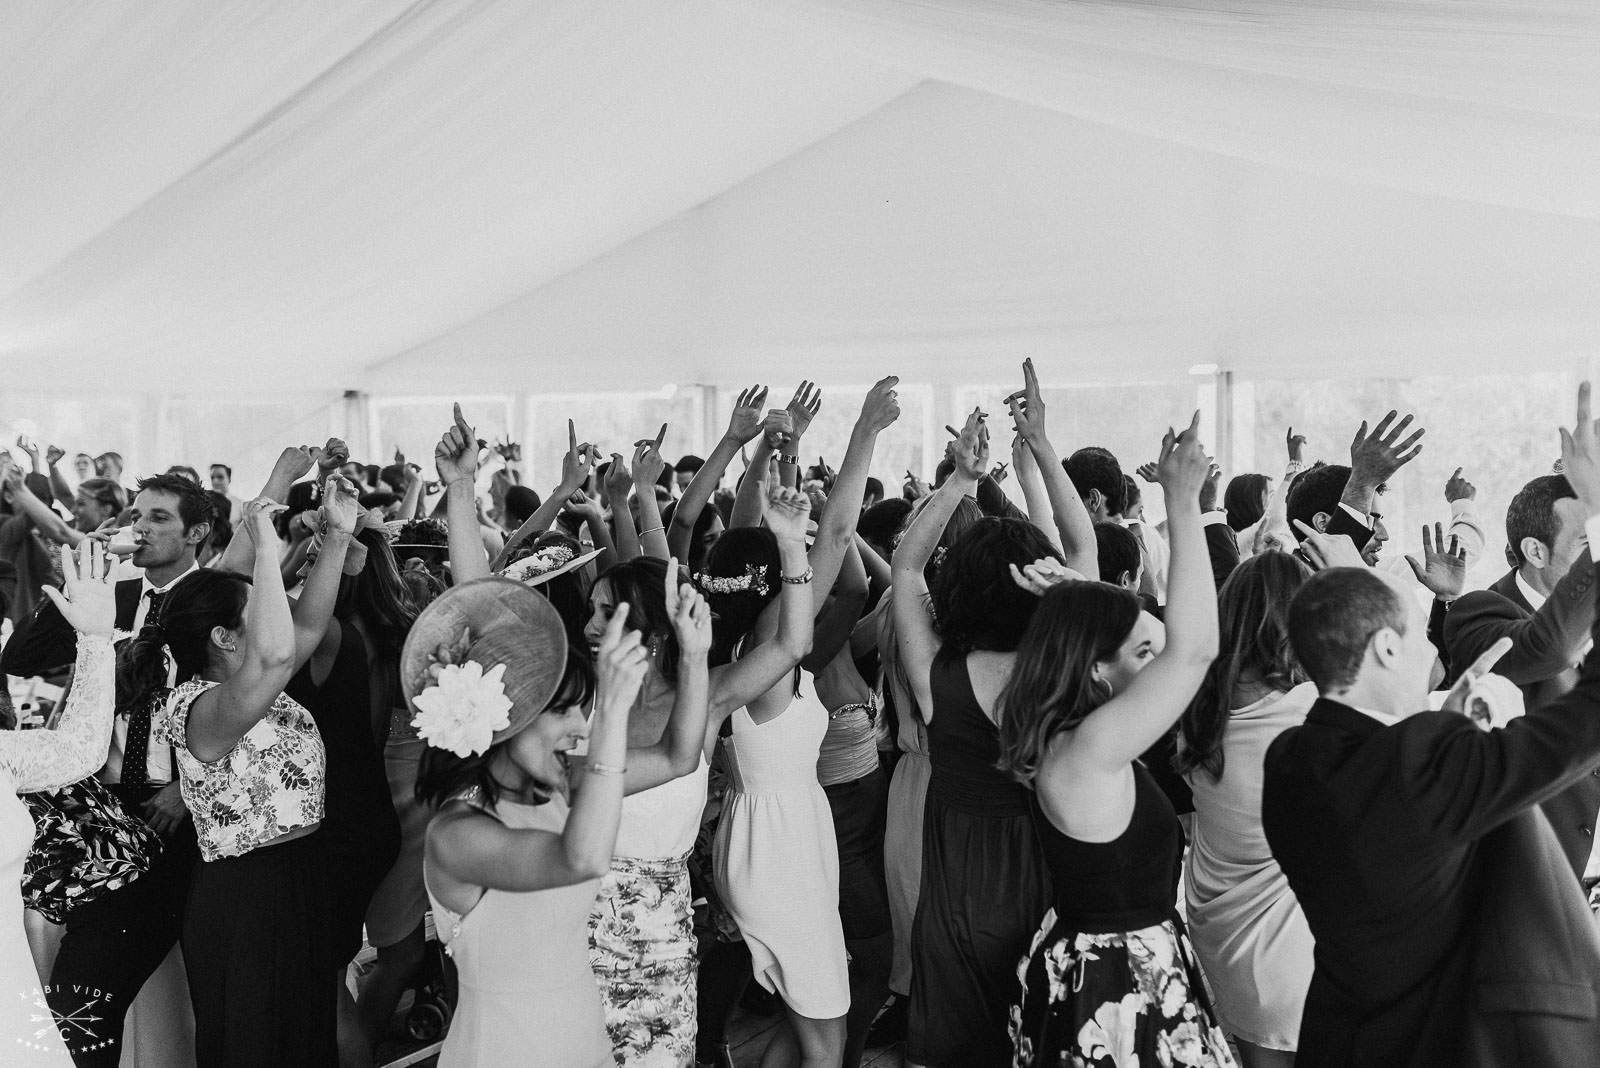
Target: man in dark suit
[1546, 606]
[114, 943]
[1379, 816]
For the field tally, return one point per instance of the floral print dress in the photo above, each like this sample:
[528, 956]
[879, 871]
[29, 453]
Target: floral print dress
[1111, 980]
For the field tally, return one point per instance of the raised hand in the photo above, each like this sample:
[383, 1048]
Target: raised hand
[1457, 488]
[1375, 457]
[54, 455]
[1323, 551]
[803, 408]
[341, 506]
[1297, 446]
[919, 489]
[1457, 699]
[1027, 406]
[1039, 576]
[1148, 473]
[577, 462]
[88, 600]
[509, 451]
[648, 463]
[1209, 488]
[456, 455]
[745, 423]
[778, 427]
[882, 405]
[618, 481]
[1184, 467]
[588, 508]
[1580, 455]
[335, 454]
[970, 450]
[292, 464]
[621, 664]
[1442, 570]
[787, 512]
[29, 446]
[690, 614]
[257, 519]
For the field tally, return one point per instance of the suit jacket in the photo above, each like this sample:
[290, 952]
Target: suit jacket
[1381, 833]
[1223, 549]
[1536, 955]
[1545, 646]
[47, 643]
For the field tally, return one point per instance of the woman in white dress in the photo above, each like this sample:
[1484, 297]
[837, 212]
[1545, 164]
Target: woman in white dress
[1248, 930]
[47, 760]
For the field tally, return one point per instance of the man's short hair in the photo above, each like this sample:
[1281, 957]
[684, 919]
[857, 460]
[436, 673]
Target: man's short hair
[1532, 513]
[521, 503]
[1316, 489]
[225, 470]
[1132, 495]
[186, 471]
[1118, 551]
[874, 488]
[1332, 620]
[1095, 468]
[689, 462]
[194, 503]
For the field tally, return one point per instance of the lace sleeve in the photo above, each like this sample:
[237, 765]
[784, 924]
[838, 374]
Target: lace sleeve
[50, 759]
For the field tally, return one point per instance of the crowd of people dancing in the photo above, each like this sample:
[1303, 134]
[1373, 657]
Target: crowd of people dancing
[1037, 783]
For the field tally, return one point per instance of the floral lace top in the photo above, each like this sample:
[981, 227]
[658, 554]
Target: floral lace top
[39, 760]
[270, 783]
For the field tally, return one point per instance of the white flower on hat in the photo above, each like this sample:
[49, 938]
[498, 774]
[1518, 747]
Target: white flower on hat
[462, 708]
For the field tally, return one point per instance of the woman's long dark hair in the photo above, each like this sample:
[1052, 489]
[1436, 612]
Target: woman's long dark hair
[1052, 685]
[442, 775]
[202, 601]
[640, 583]
[976, 602]
[1243, 500]
[734, 615]
[380, 597]
[1253, 614]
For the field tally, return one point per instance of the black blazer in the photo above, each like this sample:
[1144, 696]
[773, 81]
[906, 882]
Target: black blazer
[1380, 831]
[47, 643]
[1545, 646]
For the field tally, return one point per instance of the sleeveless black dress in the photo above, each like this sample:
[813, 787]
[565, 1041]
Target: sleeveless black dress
[984, 885]
[360, 833]
[1111, 971]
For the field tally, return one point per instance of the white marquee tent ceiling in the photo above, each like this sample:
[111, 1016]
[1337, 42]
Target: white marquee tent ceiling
[598, 194]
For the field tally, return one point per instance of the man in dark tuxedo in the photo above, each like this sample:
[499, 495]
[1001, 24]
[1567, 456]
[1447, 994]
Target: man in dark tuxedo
[114, 943]
[1546, 605]
[1382, 818]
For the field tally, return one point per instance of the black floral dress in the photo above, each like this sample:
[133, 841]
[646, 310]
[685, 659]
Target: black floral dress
[1111, 980]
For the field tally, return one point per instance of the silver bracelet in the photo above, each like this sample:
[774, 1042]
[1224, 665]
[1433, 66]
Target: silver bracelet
[652, 530]
[799, 580]
[597, 768]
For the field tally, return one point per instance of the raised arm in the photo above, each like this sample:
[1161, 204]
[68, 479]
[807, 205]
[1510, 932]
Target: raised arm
[836, 528]
[915, 637]
[618, 485]
[43, 517]
[1033, 491]
[47, 760]
[58, 481]
[313, 610]
[839, 613]
[456, 458]
[1078, 546]
[1374, 459]
[750, 500]
[239, 557]
[757, 671]
[743, 426]
[476, 851]
[1111, 737]
[576, 464]
[221, 716]
[647, 467]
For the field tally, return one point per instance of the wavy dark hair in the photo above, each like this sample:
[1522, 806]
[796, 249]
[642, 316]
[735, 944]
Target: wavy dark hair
[380, 597]
[1052, 685]
[442, 775]
[568, 594]
[976, 603]
[1253, 615]
[640, 583]
[1243, 500]
[734, 615]
[202, 601]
